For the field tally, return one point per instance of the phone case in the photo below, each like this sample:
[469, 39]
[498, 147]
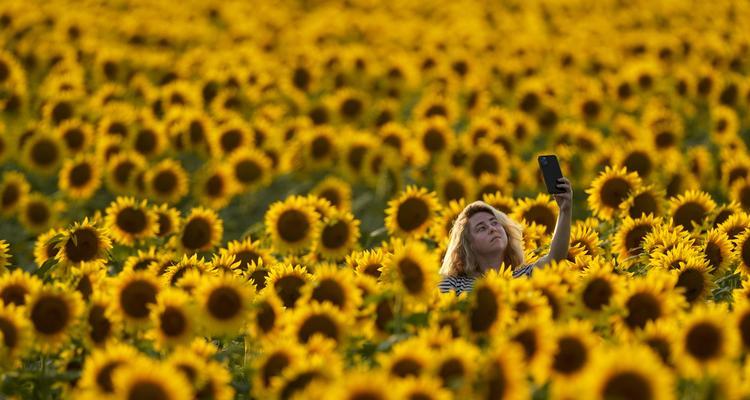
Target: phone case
[551, 172]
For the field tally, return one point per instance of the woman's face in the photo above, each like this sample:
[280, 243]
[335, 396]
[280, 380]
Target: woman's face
[488, 237]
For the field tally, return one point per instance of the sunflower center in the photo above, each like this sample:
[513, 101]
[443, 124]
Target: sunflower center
[50, 315]
[99, 324]
[38, 212]
[135, 298]
[196, 234]
[230, 140]
[259, 277]
[266, 317]
[11, 194]
[165, 224]
[247, 171]
[293, 226]
[571, 355]
[273, 367]
[597, 294]
[83, 245]
[84, 287]
[336, 235]
[13, 294]
[688, 213]
[80, 175]
[224, 303]
[122, 171]
[643, 203]
[412, 213]
[104, 377]
[541, 215]
[373, 270]
[745, 252]
[634, 237]
[661, 347]
[552, 302]
[483, 314]
[433, 140]
[642, 307]
[298, 383]
[454, 190]
[329, 290]
[351, 107]
[165, 182]
[383, 315]
[288, 289]
[527, 339]
[484, 163]
[146, 390]
[628, 385]
[318, 323]
[412, 276]
[131, 220]
[406, 367]
[172, 321]
[692, 280]
[145, 141]
[45, 153]
[703, 341]
[744, 326]
[591, 108]
[496, 382]
[9, 333]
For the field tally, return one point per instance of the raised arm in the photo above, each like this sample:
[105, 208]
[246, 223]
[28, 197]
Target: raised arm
[558, 249]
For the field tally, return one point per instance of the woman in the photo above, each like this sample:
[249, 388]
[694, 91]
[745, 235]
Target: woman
[483, 238]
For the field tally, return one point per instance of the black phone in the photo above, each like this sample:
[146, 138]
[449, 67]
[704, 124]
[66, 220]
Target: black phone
[551, 172]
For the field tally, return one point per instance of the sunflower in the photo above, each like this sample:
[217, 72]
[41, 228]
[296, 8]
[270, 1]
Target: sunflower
[691, 207]
[412, 213]
[172, 319]
[441, 230]
[142, 260]
[247, 253]
[86, 280]
[39, 213]
[742, 251]
[167, 181]
[134, 292]
[394, 135]
[168, 219]
[716, 250]
[541, 210]
[177, 270]
[628, 241]
[733, 169]
[201, 230]
[528, 301]
[149, 140]
[83, 243]
[368, 262]
[413, 268]
[724, 124]
[275, 358]
[628, 372]
[424, 387]
[130, 221]
[214, 186]
[100, 365]
[122, 169]
[80, 177]
[286, 281]
[584, 239]
[434, 135]
[224, 302]
[15, 335]
[408, 358]
[47, 245]
[147, 378]
[337, 191]
[16, 285]
[597, 289]
[339, 235]
[43, 153]
[735, 225]
[319, 147]
[454, 365]
[301, 380]
[610, 189]
[53, 311]
[102, 324]
[499, 375]
[250, 169]
[14, 187]
[705, 340]
[741, 320]
[333, 285]
[647, 199]
[455, 185]
[266, 315]
[534, 337]
[673, 257]
[355, 149]
[292, 224]
[574, 350]
[646, 298]
[323, 320]
[740, 192]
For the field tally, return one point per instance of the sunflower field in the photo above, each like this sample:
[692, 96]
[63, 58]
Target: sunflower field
[252, 199]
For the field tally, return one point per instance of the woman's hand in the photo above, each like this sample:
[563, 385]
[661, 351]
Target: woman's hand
[564, 200]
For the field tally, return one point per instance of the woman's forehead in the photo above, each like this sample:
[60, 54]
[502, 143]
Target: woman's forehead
[482, 216]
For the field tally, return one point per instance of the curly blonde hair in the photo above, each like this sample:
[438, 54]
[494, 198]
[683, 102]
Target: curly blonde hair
[460, 259]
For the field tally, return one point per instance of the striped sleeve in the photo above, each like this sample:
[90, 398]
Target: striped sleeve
[524, 270]
[447, 284]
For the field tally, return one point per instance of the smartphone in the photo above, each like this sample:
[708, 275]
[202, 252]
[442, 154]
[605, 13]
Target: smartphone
[551, 172]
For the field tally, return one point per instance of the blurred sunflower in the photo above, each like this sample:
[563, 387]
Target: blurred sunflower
[213, 185]
[628, 372]
[740, 192]
[172, 319]
[80, 177]
[628, 240]
[201, 230]
[541, 210]
[134, 292]
[121, 170]
[167, 181]
[488, 312]
[716, 250]
[412, 213]
[724, 124]
[534, 337]
[368, 262]
[15, 335]
[339, 234]
[286, 281]
[742, 251]
[434, 135]
[102, 325]
[168, 219]
[76, 135]
[610, 189]
[499, 375]
[47, 245]
[265, 319]
[16, 285]
[647, 298]
[319, 147]
[146, 377]
[250, 169]
[705, 340]
[100, 365]
[735, 225]
[275, 358]
[695, 280]
[596, 291]
[316, 319]
[246, 253]
[14, 187]
[129, 221]
[734, 169]
[43, 153]
[292, 224]
[337, 191]
[53, 311]
[39, 213]
[691, 207]
[410, 358]
[83, 243]
[174, 274]
[413, 268]
[454, 185]
[647, 199]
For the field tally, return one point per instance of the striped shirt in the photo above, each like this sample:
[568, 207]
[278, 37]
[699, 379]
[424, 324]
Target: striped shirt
[463, 283]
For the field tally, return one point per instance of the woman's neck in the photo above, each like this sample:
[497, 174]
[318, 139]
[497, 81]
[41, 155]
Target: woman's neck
[489, 262]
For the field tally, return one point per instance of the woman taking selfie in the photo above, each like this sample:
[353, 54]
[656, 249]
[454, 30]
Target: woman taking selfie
[482, 238]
